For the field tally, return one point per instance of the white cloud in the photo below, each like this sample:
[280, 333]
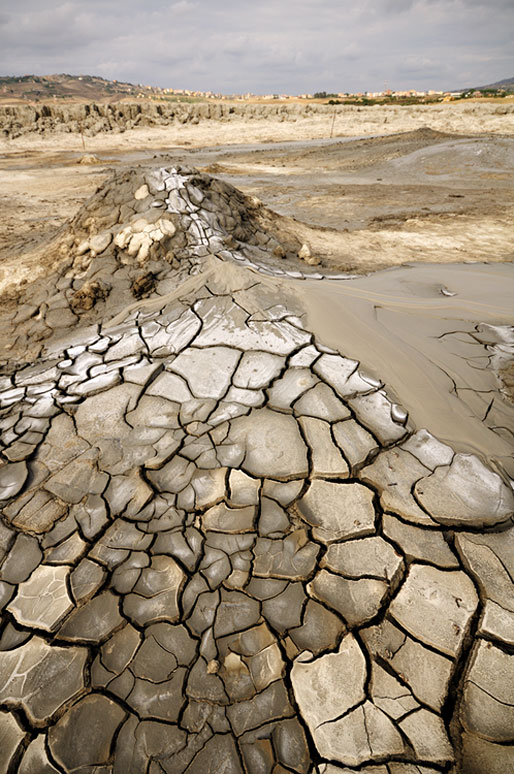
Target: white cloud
[265, 46]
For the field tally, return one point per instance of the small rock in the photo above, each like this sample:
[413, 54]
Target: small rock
[142, 192]
[88, 158]
[86, 297]
[100, 242]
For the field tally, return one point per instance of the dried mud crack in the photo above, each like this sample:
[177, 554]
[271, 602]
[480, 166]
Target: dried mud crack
[224, 547]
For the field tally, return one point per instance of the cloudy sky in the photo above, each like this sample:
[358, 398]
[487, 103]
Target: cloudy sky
[263, 46]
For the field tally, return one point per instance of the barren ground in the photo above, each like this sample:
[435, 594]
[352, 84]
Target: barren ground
[362, 203]
[419, 195]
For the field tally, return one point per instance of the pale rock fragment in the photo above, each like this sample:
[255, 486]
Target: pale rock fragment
[341, 374]
[142, 192]
[207, 371]
[466, 494]
[358, 601]
[487, 707]
[436, 607]
[375, 412]
[304, 252]
[327, 460]
[40, 678]
[84, 735]
[273, 445]
[11, 737]
[338, 511]
[35, 760]
[330, 685]
[155, 595]
[364, 734]
[43, 601]
[428, 450]
[394, 472]
[355, 442]
[419, 543]
[427, 734]
[257, 369]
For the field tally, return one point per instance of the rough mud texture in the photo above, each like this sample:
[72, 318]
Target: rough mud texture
[134, 238]
[93, 119]
[360, 204]
[223, 547]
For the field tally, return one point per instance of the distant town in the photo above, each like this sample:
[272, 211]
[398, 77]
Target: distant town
[333, 98]
[40, 88]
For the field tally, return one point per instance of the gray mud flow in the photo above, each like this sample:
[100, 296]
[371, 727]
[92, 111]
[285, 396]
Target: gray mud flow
[424, 344]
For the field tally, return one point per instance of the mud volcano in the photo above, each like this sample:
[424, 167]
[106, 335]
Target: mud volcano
[223, 547]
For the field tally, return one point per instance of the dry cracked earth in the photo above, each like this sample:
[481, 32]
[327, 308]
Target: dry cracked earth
[223, 547]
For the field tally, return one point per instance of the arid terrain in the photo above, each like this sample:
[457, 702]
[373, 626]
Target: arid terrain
[256, 435]
[423, 183]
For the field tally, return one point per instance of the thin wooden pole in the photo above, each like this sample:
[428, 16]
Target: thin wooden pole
[333, 122]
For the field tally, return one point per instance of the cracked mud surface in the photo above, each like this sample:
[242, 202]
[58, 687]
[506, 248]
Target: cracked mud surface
[224, 546]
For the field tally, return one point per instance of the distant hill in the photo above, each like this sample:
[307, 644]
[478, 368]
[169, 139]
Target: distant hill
[507, 84]
[39, 88]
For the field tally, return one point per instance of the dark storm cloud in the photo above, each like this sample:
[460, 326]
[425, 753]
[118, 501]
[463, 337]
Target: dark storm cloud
[265, 46]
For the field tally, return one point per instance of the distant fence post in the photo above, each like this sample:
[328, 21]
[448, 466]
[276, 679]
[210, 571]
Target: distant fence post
[333, 122]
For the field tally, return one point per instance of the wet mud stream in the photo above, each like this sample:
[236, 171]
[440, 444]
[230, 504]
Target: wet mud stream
[425, 345]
